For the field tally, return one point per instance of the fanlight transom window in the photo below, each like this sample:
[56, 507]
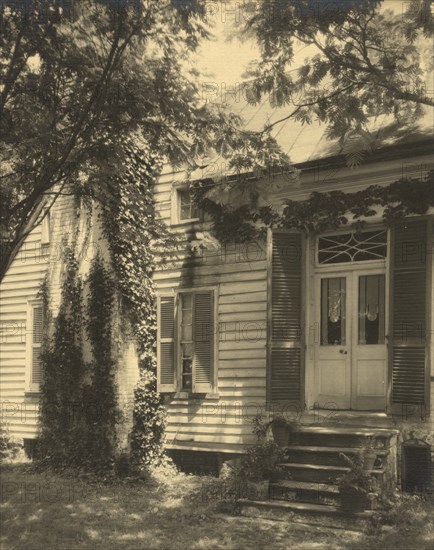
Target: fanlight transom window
[352, 247]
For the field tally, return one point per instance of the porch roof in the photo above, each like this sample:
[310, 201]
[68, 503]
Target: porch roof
[305, 143]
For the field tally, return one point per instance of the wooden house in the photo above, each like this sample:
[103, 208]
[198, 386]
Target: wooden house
[334, 330]
[41, 259]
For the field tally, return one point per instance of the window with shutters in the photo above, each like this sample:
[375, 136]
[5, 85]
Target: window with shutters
[35, 327]
[186, 342]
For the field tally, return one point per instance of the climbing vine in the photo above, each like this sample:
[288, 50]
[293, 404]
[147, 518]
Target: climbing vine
[320, 212]
[79, 409]
[86, 436]
[100, 395]
[62, 442]
[136, 236]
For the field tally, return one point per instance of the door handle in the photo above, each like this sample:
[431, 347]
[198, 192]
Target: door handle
[343, 351]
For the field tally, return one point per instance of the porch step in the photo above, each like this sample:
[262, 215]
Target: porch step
[313, 472]
[348, 437]
[314, 464]
[298, 506]
[330, 456]
[316, 514]
[304, 491]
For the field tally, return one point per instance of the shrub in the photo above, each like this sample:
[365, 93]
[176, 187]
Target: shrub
[402, 512]
[262, 461]
[9, 446]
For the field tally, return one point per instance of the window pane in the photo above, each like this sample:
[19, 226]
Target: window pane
[187, 350]
[333, 311]
[186, 300]
[187, 316]
[194, 210]
[187, 382]
[186, 333]
[187, 364]
[186, 208]
[187, 344]
[371, 309]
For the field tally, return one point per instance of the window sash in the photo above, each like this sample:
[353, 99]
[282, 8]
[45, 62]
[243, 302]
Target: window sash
[187, 210]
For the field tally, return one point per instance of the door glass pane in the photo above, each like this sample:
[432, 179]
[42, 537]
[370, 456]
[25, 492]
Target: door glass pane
[333, 311]
[371, 309]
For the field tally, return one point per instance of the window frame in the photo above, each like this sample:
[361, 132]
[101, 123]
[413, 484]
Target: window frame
[46, 230]
[32, 387]
[343, 231]
[180, 392]
[177, 190]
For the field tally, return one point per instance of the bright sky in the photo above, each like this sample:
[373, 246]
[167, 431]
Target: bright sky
[224, 61]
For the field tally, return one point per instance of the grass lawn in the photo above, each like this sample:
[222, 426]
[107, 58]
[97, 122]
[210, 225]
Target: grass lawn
[40, 510]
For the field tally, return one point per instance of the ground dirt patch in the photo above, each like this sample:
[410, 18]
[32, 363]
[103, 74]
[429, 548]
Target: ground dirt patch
[44, 510]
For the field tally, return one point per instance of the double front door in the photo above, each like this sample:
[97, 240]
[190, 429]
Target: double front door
[351, 339]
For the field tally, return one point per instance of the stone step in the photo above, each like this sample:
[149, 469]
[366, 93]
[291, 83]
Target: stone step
[330, 456]
[304, 491]
[328, 436]
[315, 514]
[319, 473]
[314, 473]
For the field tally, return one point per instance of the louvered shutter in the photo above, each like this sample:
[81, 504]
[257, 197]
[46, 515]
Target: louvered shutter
[37, 332]
[203, 362]
[410, 277]
[285, 357]
[166, 362]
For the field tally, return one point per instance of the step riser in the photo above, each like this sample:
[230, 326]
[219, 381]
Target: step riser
[328, 516]
[314, 497]
[319, 476]
[314, 476]
[323, 458]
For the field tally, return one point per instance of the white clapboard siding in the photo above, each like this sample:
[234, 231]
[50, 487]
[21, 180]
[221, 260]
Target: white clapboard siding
[217, 423]
[20, 284]
[223, 423]
[19, 288]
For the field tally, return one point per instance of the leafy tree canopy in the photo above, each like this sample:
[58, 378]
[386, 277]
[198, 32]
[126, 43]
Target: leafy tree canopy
[365, 60]
[77, 78]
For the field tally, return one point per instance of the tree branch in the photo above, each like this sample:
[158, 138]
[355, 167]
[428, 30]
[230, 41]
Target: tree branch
[310, 104]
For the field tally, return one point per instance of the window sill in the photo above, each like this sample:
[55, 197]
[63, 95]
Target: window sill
[186, 222]
[191, 395]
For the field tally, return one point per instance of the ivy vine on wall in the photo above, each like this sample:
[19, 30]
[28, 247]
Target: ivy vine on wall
[100, 394]
[62, 441]
[79, 411]
[136, 236]
[322, 211]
